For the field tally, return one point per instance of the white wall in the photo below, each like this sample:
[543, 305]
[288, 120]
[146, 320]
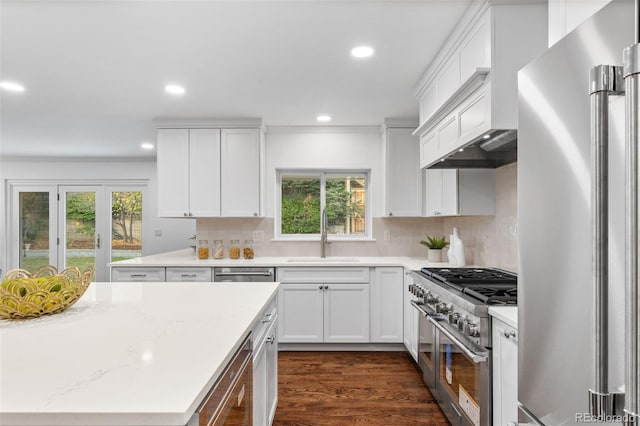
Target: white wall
[175, 232]
[325, 148]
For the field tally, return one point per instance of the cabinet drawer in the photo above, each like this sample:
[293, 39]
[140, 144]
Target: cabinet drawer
[119, 274]
[323, 275]
[189, 274]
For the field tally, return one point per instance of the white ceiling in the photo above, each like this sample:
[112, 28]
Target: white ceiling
[94, 71]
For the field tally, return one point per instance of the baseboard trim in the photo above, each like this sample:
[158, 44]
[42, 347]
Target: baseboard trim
[320, 347]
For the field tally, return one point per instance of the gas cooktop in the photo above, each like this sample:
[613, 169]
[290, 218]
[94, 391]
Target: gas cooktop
[488, 285]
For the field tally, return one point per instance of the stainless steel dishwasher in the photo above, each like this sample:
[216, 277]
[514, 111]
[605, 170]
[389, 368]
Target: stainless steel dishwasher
[240, 274]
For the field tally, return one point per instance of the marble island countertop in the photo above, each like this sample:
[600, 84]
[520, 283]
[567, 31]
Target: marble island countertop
[125, 353]
[186, 258]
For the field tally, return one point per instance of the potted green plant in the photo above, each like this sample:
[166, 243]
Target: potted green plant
[435, 246]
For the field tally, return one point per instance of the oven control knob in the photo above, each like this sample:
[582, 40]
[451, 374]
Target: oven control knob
[443, 308]
[473, 330]
[454, 317]
[430, 298]
[462, 324]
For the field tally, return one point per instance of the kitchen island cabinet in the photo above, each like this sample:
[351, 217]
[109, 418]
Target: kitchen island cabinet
[126, 353]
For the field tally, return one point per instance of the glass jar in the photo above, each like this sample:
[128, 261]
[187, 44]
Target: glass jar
[247, 249]
[203, 249]
[234, 249]
[218, 249]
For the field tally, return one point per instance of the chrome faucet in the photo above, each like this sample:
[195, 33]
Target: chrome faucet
[323, 234]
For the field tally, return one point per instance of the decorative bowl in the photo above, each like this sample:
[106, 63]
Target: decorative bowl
[46, 292]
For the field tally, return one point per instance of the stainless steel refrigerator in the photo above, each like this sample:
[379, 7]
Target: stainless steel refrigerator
[577, 234]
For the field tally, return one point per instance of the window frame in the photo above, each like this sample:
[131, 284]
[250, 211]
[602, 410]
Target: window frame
[322, 174]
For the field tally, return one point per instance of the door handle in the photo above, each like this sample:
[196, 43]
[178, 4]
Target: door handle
[98, 241]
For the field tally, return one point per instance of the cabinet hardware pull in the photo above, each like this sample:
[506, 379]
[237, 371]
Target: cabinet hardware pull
[188, 275]
[138, 275]
[270, 339]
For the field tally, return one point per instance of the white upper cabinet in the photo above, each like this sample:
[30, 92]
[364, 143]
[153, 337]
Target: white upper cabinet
[471, 87]
[209, 172]
[459, 192]
[403, 186]
[188, 172]
[173, 172]
[240, 170]
[204, 172]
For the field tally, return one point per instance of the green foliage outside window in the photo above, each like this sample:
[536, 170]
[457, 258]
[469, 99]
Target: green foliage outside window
[300, 208]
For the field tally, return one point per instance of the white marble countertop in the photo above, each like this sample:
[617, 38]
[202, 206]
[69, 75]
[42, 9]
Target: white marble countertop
[506, 314]
[125, 353]
[187, 258]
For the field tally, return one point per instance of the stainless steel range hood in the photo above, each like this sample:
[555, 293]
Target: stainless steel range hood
[493, 149]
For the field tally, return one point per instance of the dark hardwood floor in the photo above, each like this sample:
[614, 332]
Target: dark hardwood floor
[347, 388]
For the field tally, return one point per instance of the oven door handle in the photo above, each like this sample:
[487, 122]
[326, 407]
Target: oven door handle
[421, 308]
[477, 357]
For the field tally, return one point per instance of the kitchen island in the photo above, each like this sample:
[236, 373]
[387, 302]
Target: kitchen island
[125, 353]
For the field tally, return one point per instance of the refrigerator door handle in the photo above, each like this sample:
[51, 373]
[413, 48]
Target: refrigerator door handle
[631, 73]
[605, 80]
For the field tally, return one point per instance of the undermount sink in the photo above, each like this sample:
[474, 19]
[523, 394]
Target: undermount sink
[323, 259]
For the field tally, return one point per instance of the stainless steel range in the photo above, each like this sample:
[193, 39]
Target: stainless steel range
[454, 337]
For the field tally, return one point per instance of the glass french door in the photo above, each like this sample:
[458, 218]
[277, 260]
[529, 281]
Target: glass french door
[74, 225]
[82, 225]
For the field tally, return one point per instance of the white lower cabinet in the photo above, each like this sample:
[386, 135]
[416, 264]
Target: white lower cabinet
[330, 313]
[265, 368]
[387, 295]
[505, 373]
[411, 319]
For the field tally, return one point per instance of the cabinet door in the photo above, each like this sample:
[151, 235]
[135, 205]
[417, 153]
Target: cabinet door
[403, 183]
[173, 172]
[346, 313]
[433, 192]
[271, 351]
[410, 320]
[505, 374]
[449, 192]
[387, 299]
[260, 385]
[240, 173]
[204, 172]
[301, 313]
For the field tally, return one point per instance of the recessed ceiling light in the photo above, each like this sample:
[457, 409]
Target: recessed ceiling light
[461, 149]
[486, 136]
[10, 86]
[174, 89]
[362, 51]
[323, 118]
[147, 145]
